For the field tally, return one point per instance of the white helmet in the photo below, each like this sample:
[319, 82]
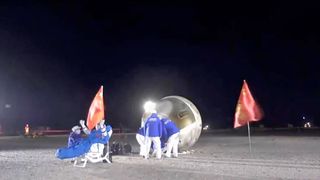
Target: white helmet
[150, 107]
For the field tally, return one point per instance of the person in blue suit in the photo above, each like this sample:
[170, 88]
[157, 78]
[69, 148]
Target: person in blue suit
[141, 141]
[173, 136]
[152, 130]
[74, 136]
[100, 135]
[97, 147]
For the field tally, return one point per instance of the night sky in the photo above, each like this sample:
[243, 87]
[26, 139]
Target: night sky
[54, 56]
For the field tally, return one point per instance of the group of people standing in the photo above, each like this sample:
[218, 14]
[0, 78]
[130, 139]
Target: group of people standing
[159, 133]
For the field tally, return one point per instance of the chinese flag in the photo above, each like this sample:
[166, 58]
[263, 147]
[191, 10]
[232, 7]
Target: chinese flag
[96, 111]
[247, 109]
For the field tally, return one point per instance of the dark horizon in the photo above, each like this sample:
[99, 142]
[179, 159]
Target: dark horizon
[55, 55]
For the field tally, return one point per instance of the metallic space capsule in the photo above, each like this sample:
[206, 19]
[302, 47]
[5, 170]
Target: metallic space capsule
[186, 116]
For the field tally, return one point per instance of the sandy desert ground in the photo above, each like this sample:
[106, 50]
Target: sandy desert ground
[213, 157]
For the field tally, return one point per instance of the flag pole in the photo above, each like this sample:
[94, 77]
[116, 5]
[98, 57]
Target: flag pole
[249, 136]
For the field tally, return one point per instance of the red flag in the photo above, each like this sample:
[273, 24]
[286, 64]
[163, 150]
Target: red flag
[96, 111]
[247, 109]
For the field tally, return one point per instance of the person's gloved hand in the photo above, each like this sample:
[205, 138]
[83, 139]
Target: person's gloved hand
[110, 133]
[82, 123]
[102, 123]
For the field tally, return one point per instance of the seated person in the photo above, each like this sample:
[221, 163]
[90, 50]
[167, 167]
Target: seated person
[106, 131]
[74, 136]
[95, 138]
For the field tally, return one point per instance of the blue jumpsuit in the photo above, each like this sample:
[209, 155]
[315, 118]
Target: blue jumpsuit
[74, 139]
[83, 146]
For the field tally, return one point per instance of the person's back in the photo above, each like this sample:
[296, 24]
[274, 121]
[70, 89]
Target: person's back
[173, 135]
[153, 127]
[153, 132]
[170, 126]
